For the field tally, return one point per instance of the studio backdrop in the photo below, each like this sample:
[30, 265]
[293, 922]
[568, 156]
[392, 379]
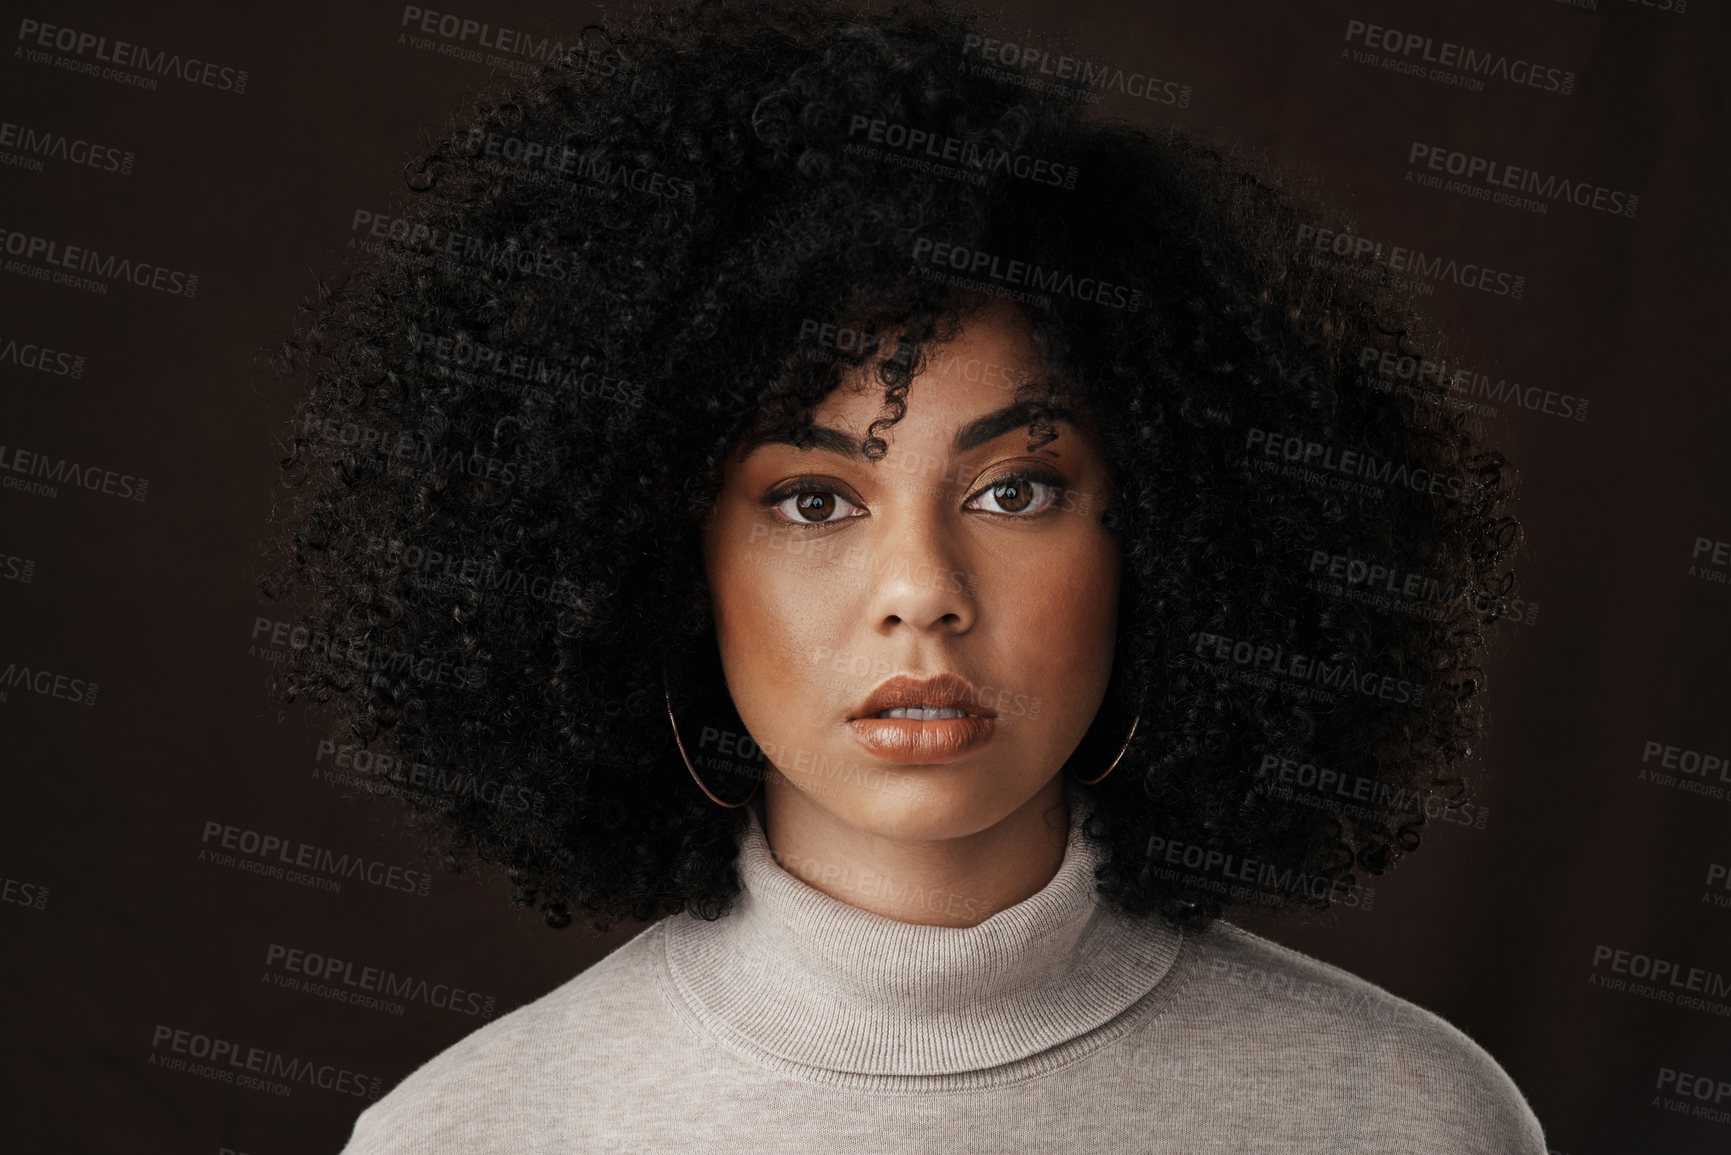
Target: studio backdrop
[186, 875]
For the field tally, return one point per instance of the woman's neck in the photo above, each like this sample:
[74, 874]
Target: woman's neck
[954, 881]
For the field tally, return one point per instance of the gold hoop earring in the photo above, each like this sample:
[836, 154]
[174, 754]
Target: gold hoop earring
[1134, 722]
[686, 758]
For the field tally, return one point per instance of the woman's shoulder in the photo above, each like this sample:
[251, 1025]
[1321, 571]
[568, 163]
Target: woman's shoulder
[472, 1096]
[1363, 1045]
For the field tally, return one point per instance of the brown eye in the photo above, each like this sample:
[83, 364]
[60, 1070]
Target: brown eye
[1018, 494]
[1014, 495]
[815, 506]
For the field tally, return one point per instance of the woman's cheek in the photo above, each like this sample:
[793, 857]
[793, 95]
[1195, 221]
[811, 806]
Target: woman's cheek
[781, 617]
[1060, 606]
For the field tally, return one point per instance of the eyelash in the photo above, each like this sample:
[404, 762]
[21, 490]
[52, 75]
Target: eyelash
[1027, 475]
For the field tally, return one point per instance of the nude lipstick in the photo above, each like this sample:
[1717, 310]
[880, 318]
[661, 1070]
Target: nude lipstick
[922, 721]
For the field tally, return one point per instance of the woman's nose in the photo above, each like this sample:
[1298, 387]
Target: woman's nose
[917, 577]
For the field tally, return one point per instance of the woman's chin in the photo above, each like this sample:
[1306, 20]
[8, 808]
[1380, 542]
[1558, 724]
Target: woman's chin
[925, 805]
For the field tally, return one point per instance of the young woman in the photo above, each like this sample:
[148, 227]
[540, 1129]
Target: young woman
[909, 540]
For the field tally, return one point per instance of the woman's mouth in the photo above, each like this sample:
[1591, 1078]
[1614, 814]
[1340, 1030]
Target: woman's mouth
[922, 721]
[922, 713]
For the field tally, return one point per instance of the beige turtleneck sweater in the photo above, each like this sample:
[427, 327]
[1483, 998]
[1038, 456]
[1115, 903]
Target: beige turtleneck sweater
[799, 1023]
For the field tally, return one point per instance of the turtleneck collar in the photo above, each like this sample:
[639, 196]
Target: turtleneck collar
[805, 980]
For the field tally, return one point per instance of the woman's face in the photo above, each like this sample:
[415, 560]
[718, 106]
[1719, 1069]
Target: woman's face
[919, 642]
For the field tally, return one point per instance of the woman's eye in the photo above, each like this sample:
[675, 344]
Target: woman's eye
[1015, 495]
[814, 506]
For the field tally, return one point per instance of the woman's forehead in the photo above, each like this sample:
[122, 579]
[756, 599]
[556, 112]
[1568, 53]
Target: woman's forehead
[977, 372]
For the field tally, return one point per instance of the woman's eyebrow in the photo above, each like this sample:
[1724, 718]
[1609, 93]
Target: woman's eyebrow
[808, 437]
[988, 427]
[1016, 415]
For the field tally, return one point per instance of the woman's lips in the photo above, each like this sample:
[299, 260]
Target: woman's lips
[909, 742]
[939, 719]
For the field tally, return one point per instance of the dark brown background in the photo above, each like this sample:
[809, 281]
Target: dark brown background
[1494, 929]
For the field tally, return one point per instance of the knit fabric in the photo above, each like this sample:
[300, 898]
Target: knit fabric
[799, 1023]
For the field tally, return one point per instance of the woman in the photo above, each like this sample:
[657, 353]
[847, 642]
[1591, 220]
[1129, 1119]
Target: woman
[909, 539]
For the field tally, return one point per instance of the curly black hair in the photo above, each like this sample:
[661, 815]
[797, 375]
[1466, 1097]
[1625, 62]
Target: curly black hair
[517, 403]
